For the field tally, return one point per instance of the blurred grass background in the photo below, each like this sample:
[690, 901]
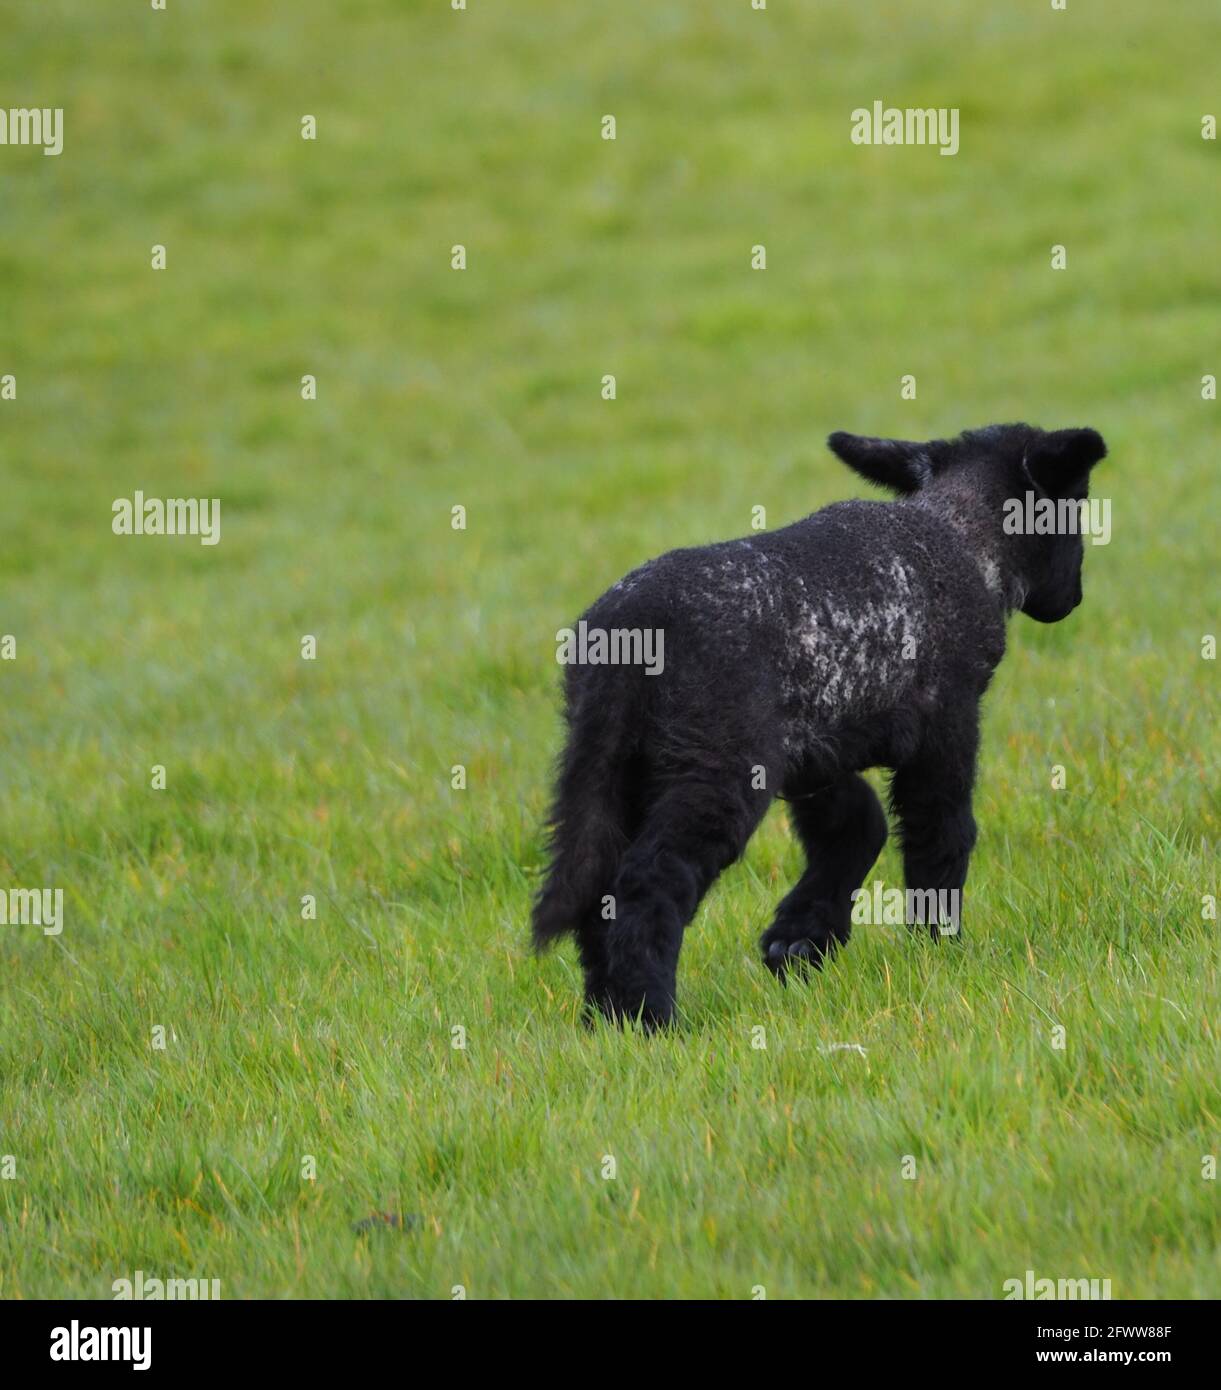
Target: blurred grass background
[737, 1166]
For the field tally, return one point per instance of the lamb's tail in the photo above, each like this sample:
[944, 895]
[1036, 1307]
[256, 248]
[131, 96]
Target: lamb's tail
[588, 823]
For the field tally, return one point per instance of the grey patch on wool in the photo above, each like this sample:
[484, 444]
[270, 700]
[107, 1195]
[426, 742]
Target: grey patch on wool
[851, 656]
[738, 584]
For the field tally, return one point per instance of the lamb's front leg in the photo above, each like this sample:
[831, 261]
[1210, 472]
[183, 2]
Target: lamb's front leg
[842, 828]
[931, 797]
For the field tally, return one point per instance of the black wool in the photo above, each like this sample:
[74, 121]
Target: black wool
[787, 663]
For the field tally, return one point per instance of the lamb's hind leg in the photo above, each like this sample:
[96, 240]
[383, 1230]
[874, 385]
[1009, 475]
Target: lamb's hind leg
[842, 828]
[693, 830]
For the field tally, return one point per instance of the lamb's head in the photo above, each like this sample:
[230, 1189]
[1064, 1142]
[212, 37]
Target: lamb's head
[1015, 493]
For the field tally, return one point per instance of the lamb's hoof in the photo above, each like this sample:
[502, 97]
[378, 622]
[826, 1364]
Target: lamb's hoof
[804, 953]
[653, 1016]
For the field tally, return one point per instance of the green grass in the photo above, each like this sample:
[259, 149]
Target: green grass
[737, 1166]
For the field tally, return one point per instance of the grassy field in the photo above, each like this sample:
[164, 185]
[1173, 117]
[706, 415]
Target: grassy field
[309, 1076]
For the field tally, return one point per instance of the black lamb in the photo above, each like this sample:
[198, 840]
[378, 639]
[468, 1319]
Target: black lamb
[862, 636]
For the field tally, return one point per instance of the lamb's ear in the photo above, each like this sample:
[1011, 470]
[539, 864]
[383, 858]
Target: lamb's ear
[1060, 462]
[894, 463]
